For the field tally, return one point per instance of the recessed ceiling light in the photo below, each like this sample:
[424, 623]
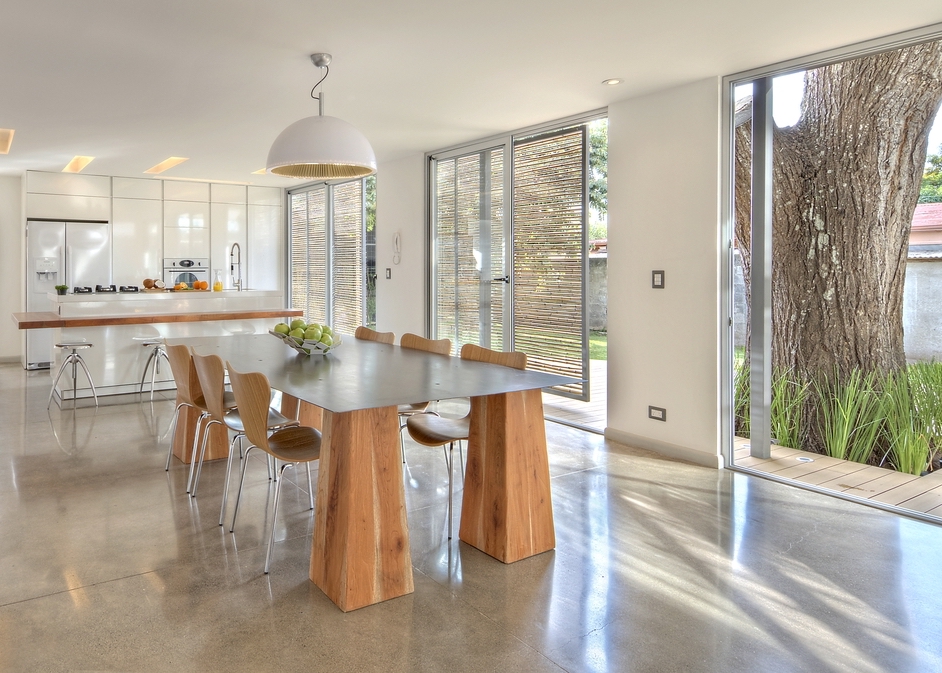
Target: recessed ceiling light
[260, 171]
[612, 82]
[6, 139]
[77, 165]
[165, 164]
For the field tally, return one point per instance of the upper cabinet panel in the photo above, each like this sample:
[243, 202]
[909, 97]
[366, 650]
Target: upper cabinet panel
[71, 184]
[227, 194]
[137, 188]
[186, 215]
[183, 190]
[265, 196]
[68, 207]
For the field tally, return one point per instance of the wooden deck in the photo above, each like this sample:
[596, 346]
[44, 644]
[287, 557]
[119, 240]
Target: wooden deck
[592, 414]
[877, 484]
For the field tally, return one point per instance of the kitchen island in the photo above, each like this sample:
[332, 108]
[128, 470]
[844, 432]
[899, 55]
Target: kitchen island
[111, 321]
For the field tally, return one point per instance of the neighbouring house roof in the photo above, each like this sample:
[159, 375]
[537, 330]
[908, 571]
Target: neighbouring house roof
[927, 226]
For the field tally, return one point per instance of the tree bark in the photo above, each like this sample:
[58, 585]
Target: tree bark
[846, 181]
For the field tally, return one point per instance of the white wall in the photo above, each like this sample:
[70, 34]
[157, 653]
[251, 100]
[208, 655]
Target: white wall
[400, 301]
[663, 345]
[12, 298]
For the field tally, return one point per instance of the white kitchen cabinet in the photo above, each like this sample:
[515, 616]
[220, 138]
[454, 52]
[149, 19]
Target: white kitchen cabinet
[227, 193]
[137, 233]
[69, 184]
[186, 229]
[265, 196]
[68, 207]
[228, 226]
[184, 190]
[137, 188]
[266, 244]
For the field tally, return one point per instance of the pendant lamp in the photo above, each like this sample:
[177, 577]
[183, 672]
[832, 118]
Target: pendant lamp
[321, 147]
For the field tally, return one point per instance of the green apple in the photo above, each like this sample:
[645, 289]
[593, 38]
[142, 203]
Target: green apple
[297, 323]
[296, 333]
[313, 325]
[327, 340]
[326, 329]
[312, 334]
[282, 328]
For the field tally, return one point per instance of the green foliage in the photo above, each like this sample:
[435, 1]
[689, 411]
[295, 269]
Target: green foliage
[598, 345]
[931, 190]
[908, 444]
[850, 415]
[789, 393]
[370, 194]
[741, 392]
[598, 171]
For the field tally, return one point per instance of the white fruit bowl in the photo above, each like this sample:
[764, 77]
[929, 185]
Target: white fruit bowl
[308, 347]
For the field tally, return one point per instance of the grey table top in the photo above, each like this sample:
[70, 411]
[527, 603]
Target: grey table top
[365, 374]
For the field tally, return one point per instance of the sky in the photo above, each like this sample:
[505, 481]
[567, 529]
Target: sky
[786, 104]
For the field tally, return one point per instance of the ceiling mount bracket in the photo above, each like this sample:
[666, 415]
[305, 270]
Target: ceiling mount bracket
[321, 60]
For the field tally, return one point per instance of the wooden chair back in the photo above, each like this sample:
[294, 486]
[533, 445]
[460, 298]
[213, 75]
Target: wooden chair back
[513, 359]
[414, 341]
[252, 395]
[212, 377]
[184, 374]
[368, 334]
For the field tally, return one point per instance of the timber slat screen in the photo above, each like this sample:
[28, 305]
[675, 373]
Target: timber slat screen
[309, 253]
[327, 254]
[469, 249]
[549, 215]
[347, 257]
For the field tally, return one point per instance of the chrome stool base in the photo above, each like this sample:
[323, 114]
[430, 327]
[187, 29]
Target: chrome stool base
[76, 361]
[157, 352]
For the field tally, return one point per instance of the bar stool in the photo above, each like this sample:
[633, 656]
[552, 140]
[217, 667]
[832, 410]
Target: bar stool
[156, 344]
[75, 360]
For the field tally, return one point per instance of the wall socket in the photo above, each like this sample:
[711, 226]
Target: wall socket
[657, 413]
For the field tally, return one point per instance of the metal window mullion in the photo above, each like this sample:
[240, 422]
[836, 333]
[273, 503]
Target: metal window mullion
[484, 244]
[363, 264]
[585, 262]
[760, 352]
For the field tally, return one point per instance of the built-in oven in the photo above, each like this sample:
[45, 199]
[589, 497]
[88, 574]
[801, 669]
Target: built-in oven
[185, 271]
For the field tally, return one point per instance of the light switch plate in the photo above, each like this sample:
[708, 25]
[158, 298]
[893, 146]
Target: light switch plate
[657, 279]
[388, 273]
[657, 413]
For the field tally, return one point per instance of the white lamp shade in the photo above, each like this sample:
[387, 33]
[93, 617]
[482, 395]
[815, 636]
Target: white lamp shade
[321, 148]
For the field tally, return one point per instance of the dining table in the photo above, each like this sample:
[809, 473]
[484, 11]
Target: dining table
[360, 551]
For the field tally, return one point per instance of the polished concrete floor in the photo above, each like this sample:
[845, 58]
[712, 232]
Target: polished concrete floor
[107, 565]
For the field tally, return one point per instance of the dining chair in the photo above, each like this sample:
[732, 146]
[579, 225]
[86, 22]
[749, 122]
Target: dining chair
[293, 444]
[415, 342]
[189, 394]
[368, 334]
[431, 430]
[211, 372]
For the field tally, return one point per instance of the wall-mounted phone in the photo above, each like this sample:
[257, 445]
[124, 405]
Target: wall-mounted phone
[397, 247]
[46, 267]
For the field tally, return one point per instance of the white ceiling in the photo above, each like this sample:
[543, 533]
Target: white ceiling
[133, 82]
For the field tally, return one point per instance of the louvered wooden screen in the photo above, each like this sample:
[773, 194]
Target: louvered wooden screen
[347, 257]
[549, 211]
[309, 253]
[334, 263]
[469, 249]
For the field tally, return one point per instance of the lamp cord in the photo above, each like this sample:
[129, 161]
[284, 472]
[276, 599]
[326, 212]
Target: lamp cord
[327, 68]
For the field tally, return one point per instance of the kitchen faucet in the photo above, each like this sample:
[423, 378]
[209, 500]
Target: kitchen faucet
[234, 261]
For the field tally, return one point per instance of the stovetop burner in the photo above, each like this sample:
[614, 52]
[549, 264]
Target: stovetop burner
[129, 288]
[81, 290]
[105, 288]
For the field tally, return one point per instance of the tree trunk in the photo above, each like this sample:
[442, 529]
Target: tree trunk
[846, 180]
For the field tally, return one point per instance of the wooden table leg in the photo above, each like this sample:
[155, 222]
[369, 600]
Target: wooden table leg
[305, 413]
[507, 510]
[183, 437]
[360, 553]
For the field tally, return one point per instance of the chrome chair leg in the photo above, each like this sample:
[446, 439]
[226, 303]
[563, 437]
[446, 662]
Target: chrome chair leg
[451, 471]
[172, 431]
[144, 375]
[196, 439]
[310, 487]
[225, 486]
[274, 514]
[235, 513]
[199, 465]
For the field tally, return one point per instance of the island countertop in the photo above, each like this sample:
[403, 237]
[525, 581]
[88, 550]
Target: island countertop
[48, 319]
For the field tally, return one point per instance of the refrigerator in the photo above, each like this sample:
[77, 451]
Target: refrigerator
[61, 253]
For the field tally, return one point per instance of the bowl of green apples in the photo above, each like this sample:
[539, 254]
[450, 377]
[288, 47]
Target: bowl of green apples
[307, 338]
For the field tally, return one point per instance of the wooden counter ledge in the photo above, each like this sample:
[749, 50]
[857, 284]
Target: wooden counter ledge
[48, 319]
